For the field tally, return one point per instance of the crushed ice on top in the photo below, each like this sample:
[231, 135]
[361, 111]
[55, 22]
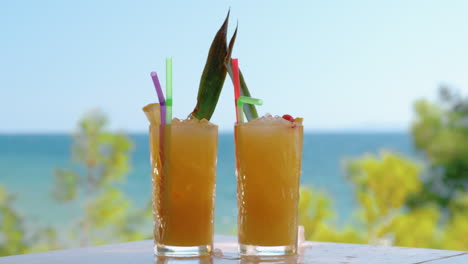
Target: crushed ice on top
[268, 119]
[192, 121]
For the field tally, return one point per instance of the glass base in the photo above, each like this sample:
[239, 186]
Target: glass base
[251, 250]
[182, 252]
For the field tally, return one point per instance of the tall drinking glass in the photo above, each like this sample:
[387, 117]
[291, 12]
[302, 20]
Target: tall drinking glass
[268, 155]
[183, 158]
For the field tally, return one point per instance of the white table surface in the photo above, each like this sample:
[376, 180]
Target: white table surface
[141, 252]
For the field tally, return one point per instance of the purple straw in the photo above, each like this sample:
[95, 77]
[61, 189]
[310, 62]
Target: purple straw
[162, 101]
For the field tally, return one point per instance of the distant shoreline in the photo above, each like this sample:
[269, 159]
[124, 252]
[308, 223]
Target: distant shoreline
[311, 132]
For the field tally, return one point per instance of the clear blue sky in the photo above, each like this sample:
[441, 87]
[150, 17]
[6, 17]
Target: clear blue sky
[339, 64]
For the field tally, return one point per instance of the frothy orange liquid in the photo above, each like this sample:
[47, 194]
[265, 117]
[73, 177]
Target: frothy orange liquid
[268, 173]
[184, 173]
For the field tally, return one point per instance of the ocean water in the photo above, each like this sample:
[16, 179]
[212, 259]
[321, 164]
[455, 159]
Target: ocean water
[27, 164]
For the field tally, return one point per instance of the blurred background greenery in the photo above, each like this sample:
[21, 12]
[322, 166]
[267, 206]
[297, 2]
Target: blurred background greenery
[402, 202]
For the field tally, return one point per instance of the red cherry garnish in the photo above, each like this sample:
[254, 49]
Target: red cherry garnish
[289, 118]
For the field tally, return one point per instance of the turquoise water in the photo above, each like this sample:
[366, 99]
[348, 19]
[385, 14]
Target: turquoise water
[27, 163]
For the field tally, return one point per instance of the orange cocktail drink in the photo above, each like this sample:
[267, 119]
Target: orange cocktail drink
[183, 158]
[268, 154]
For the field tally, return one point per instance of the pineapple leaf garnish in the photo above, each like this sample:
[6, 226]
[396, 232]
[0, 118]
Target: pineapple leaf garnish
[213, 76]
[218, 64]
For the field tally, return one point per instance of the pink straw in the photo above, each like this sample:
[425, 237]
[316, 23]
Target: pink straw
[159, 91]
[235, 72]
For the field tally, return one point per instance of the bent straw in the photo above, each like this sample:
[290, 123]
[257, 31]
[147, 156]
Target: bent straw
[159, 91]
[168, 90]
[235, 72]
[240, 105]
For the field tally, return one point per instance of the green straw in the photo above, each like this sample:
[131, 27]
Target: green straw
[168, 90]
[246, 100]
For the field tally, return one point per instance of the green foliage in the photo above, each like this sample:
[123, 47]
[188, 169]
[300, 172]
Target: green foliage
[108, 216]
[68, 181]
[111, 219]
[103, 154]
[415, 228]
[314, 208]
[44, 239]
[456, 234]
[103, 158]
[13, 234]
[12, 238]
[316, 215]
[440, 131]
[382, 186]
